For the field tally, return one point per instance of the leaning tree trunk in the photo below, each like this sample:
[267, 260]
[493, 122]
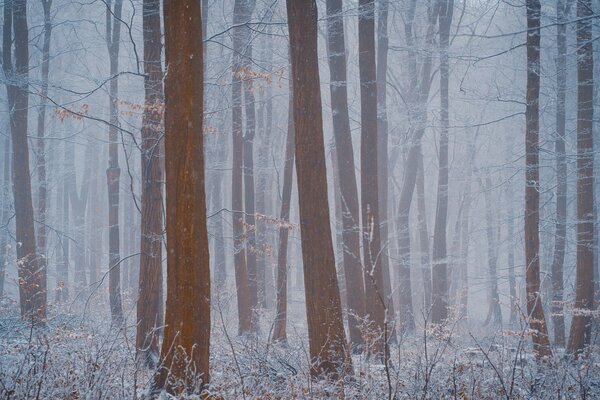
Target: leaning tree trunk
[536, 318]
[32, 272]
[150, 276]
[187, 318]
[355, 296]
[280, 326]
[237, 203]
[375, 298]
[558, 318]
[327, 341]
[439, 275]
[581, 326]
[113, 33]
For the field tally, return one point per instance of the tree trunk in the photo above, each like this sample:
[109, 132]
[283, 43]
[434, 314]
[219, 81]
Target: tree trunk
[355, 296]
[187, 319]
[41, 129]
[237, 203]
[32, 270]
[494, 310]
[423, 236]
[6, 212]
[581, 326]
[327, 341]
[510, 240]
[439, 276]
[279, 330]
[558, 318]
[113, 34]
[536, 318]
[375, 298]
[150, 276]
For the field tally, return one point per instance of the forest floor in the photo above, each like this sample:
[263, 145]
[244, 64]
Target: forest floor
[78, 356]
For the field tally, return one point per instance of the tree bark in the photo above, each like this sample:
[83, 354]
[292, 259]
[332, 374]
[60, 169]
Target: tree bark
[279, 330]
[113, 34]
[327, 341]
[558, 318]
[375, 298]
[581, 325]
[32, 270]
[150, 276]
[439, 276]
[185, 348]
[536, 318]
[355, 292]
[237, 201]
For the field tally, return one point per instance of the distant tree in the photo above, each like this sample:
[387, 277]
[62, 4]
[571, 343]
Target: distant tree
[327, 341]
[536, 318]
[581, 325]
[149, 302]
[185, 348]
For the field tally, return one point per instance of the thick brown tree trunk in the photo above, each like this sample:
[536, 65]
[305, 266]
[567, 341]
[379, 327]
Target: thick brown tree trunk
[279, 329]
[237, 201]
[536, 318]
[185, 348]
[581, 326]
[375, 298]
[355, 292]
[113, 37]
[439, 276]
[327, 341]
[558, 318]
[150, 276]
[32, 270]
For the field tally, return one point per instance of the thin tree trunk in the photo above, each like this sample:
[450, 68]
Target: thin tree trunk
[558, 318]
[6, 210]
[95, 223]
[279, 330]
[113, 33]
[329, 354]
[536, 318]
[423, 236]
[32, 271]
[439, 276]
[355, 296]
[581, 325]
[187, 317]
[150, 276]
[512, 280]
[41, 130]
[237, 202]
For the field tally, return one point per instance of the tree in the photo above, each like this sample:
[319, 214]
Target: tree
[32, 271]
[113, 37]
[581, 325]
[536, 318]
[185, 348]
[327, 341]
[374, 291]
[439, 276]
[237, 203]
[558, 318]
[355, 292]
[5, 213]
[41, 130]
[150, 277]
[279, 330]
